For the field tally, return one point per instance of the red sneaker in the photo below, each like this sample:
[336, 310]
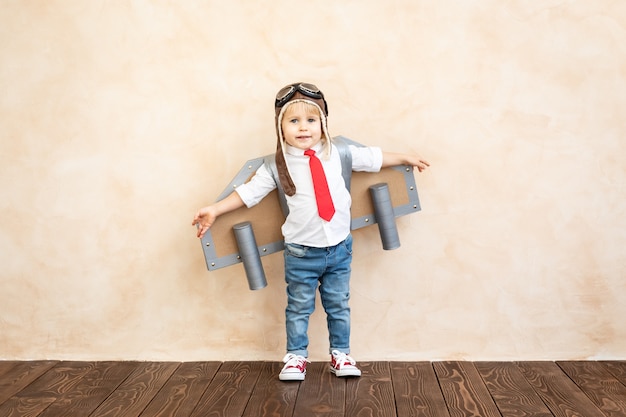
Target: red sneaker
[343, 365]
[294, 369]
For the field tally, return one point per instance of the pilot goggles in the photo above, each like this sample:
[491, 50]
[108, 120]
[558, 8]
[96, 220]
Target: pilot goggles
[307, 90]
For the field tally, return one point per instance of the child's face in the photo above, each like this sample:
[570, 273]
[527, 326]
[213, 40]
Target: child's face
[302, 127]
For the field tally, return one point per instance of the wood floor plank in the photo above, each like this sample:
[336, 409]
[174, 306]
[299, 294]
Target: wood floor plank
[617, 369]
[92, 389]
[417, 390]
[229, 392]
[558, 392]
[510, 390]
[45, 390]
[606, 392]
[372, 393]
[464, 390]
[182, 392]
[20, 375]
[5, 366]
[321, 393]
[272, 397]
[136, 392]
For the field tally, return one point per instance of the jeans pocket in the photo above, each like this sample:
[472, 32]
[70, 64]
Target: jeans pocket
[297, 251]
[347, 244]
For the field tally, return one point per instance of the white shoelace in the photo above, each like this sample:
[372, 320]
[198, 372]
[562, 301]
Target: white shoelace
[294, 361]
[342, 359]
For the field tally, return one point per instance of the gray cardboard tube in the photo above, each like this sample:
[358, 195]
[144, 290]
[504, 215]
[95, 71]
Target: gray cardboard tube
[249, 253]
[383, 210]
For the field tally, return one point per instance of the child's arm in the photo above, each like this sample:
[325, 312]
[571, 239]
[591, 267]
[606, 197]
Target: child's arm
[205, 217]
[391, 159]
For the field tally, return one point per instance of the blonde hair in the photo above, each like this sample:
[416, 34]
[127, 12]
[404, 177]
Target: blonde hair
[306, 106]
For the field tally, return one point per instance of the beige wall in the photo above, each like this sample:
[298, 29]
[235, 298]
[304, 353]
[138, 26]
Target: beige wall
[119, 119]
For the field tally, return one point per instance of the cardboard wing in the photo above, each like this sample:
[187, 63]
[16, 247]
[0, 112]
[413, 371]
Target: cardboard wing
[266, 218]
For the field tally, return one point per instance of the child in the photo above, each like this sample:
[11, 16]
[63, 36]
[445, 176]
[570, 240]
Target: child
[318, 243]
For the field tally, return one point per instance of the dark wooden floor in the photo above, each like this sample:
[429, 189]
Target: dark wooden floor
[386, 389]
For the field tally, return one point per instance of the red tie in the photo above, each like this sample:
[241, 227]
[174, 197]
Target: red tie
[325, 206]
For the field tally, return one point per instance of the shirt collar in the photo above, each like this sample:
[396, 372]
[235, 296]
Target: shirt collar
[291, 150]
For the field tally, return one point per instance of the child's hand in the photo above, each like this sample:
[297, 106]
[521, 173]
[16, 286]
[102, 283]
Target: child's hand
[204, 219]
[419, 163]
[391, 159]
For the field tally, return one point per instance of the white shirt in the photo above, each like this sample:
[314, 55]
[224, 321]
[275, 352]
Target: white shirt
[303, 225]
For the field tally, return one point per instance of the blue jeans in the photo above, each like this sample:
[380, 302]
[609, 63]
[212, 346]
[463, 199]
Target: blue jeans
[306, 268]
